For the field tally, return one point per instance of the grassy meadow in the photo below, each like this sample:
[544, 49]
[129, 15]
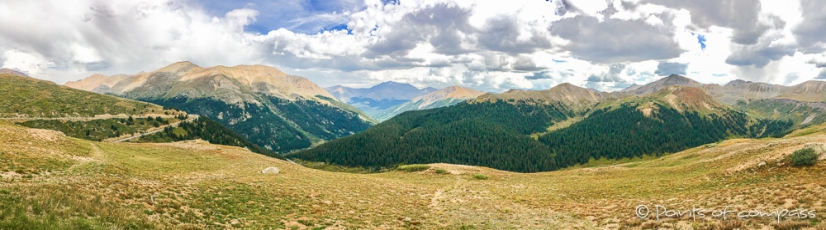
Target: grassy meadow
[50, 181]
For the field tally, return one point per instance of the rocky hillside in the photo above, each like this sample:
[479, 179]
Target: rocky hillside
[810, 91]
[739, 90]
[228, 84]
[658, 85]
[570, 95]
[270, 108]
[439, 98]
[802, 104]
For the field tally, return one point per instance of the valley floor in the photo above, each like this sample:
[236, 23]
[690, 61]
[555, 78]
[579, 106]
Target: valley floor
[50, 181]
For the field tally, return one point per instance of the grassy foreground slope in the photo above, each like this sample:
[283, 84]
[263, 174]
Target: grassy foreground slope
[26, 97]
[50, 181]
[43, 104]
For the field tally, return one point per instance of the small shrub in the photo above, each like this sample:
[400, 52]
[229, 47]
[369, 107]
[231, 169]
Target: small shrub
[480, 176]
[441, 171]
[413, 168]
[804, 157]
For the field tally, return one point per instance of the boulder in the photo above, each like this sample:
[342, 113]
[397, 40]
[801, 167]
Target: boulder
[270, 170]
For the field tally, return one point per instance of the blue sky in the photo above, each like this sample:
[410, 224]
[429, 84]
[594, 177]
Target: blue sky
[489, 45]
[297, 16]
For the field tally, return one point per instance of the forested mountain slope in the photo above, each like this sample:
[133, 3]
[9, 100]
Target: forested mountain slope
[510, 132]
[76, 113]
[270, 108]
[208, 130]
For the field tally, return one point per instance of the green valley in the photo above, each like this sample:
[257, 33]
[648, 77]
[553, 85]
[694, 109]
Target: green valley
[511, 134]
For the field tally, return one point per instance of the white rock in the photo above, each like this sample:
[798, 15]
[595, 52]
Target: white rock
[761, 164]
[270, 170]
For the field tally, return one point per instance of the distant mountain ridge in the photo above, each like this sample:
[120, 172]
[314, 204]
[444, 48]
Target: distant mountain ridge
[270, 108]
[378, 98]
[11, 71]
[385, 90]
[439, 98]
[804, 104]
[736, 90]
[565, 93]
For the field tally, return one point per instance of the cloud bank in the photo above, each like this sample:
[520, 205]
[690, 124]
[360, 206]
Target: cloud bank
[488, 45]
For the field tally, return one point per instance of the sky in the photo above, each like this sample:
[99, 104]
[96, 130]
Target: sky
[487, 45]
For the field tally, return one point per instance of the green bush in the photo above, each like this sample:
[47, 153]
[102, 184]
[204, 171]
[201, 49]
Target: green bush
[442, 171]
[804, 157]
[413, 168]
[480, 176]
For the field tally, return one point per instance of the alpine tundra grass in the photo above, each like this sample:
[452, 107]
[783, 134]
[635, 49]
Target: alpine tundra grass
[50, 181]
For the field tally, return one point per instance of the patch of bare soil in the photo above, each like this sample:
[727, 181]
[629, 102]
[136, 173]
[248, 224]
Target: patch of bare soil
[461, 169]
[195, 145]
[46, 135]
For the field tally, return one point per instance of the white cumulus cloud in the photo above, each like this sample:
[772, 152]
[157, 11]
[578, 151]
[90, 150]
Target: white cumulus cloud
[488, 45]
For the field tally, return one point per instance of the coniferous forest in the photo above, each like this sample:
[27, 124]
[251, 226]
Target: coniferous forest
[498, 135]
[275, 124]
[625, 132]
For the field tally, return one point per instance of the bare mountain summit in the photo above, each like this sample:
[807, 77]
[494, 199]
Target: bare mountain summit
[228, 84]
[565, 93]
[658, 85]
[810, 91]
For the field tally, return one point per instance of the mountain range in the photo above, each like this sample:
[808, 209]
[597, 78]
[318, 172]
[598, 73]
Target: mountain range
[436, 99]
[278, 111]
[13, 72]
[804, 103]
[193, 184]
[519, 130]
[528, 130]
[378, 98]
[737, 90]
